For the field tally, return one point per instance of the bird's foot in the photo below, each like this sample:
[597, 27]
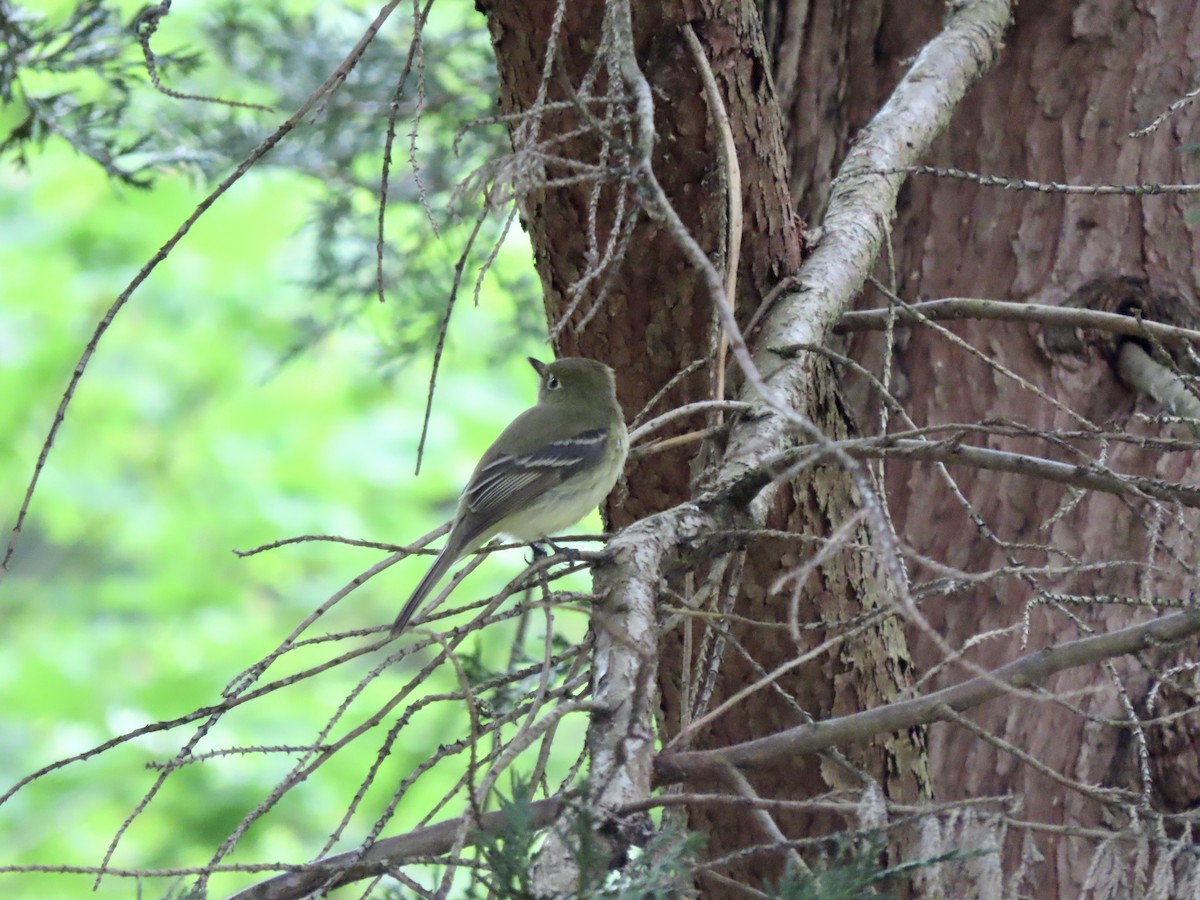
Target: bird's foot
[545, 546]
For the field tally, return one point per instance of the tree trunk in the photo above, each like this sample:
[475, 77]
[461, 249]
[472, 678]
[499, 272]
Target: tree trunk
[797, 85]
[655, 321]
[1075, 80]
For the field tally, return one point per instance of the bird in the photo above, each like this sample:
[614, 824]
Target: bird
[548, 469]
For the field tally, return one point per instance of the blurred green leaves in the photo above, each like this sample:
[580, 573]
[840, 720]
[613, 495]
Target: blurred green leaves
[252, 389]
[73, 74]
[73, 80]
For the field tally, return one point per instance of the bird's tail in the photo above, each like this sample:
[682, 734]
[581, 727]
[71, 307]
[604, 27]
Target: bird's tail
[444, 561]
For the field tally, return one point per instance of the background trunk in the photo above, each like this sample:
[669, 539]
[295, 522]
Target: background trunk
[1075, 79]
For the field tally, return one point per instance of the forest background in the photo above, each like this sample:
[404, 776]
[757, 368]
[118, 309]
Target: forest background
[243, 397]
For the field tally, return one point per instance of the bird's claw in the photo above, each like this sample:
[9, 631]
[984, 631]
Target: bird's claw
[539, 549]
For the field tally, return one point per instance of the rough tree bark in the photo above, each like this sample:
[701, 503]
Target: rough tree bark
[1069, 794]
[656, 321]
[798, 83]
[1076, 79]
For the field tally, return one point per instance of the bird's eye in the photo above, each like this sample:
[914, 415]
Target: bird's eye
[552, 382]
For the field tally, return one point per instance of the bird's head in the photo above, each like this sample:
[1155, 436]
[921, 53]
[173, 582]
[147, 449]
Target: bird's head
[573, 379]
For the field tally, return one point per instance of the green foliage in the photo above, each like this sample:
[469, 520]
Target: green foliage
[83, 80]
[286, 53]
[230, 404]
[658, 871]
[853, 869]
[507, 853]
[75, 80]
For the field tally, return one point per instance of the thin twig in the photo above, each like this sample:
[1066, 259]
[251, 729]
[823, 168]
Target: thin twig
[144, 26]
[727, 150]
[1047, 187]
[977, 308]
[1167, 113]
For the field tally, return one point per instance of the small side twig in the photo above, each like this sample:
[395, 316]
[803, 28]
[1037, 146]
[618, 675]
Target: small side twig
[727, 150]
[145, 25]
[979, 308]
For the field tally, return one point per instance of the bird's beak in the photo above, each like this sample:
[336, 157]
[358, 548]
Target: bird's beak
[538, 366]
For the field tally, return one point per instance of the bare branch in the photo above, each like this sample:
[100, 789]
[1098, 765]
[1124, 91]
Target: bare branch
[380, 857]
[1021, 673]
[1090, 477]
[976, 308]
[1049, 187]
[863, 199]
[1140, 371]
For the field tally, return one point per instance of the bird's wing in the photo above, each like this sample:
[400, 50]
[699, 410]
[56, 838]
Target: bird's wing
[512, 481]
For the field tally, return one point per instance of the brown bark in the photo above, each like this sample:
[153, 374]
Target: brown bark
[1076, 79]
[656, 321]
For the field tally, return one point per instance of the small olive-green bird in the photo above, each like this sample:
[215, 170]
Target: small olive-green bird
[547, 470]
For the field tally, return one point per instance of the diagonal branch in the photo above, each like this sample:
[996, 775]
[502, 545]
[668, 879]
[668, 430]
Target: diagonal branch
[942, 705]
[862, 201]
[331, 84]
[862, 205]
[1021, 673]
